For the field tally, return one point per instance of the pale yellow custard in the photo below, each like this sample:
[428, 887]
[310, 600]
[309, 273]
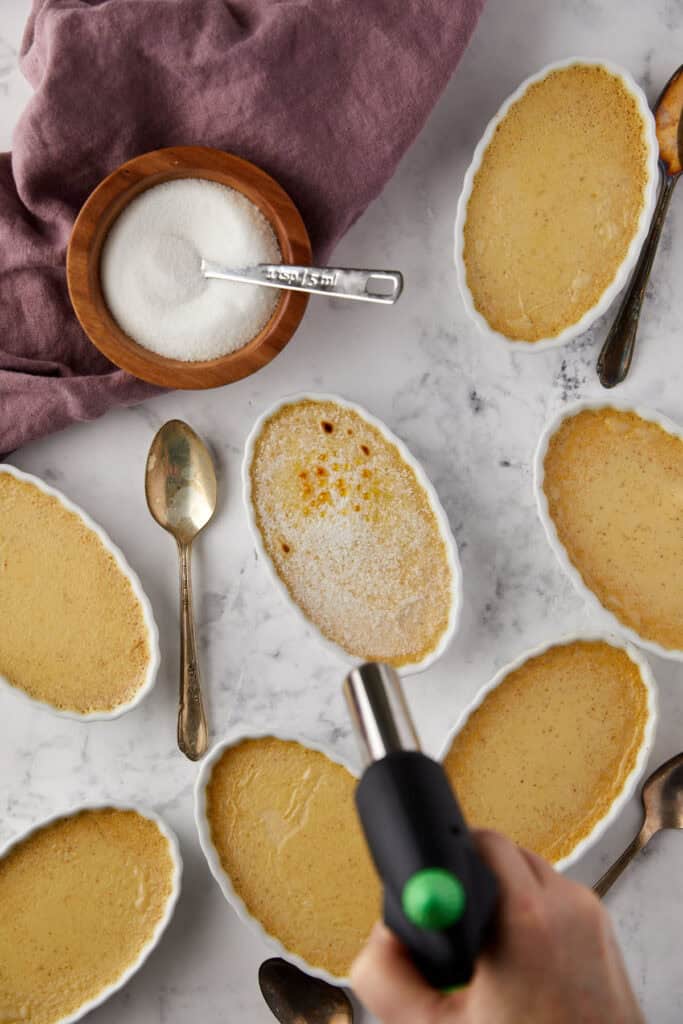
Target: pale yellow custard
[73, 632]
[544, 756]
[284, 824]
[614, 484]
[351, 532]
[556, 202]
[80, 900]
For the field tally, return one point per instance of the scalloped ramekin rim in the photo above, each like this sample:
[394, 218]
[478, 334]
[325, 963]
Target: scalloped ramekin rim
[424, 481]
[624, 405]
[232, 738]
[624, 269]
[147, 613]
[631, 782]
[174, 848]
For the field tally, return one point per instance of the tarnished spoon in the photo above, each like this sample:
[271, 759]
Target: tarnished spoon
[663, 802]
[296, 998]
[615, 358]
[180, 484]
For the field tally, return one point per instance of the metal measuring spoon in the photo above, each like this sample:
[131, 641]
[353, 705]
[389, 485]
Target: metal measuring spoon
[615, 358]
[294, 997]
[383, 286]
[180, 485]
[663, 802]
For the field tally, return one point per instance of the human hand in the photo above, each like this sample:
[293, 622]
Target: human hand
[553, 958]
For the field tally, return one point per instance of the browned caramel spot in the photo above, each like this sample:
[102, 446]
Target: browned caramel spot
[364, 448]
[327, 426]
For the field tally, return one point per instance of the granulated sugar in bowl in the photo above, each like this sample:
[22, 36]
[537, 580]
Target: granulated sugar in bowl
[150, 269]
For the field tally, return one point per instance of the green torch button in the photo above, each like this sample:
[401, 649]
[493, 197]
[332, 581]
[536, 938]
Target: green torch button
[433, 899]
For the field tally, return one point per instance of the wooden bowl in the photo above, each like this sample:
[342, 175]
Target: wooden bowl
[103, 207]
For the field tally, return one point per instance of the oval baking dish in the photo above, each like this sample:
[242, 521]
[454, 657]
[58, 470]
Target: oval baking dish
[39, 620]
[574, 831]
[48, 860]
[272, 822]
[575, 575]
[350, 513]
[622, 271]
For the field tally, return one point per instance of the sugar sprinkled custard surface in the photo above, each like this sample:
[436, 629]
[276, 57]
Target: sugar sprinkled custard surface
[544, 756]
[614, 485]
[80, 900]
[284, 825]
[351, 532]
[73, 631]
[556, 202]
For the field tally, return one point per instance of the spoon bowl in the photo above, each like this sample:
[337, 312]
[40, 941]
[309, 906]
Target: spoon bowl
[662, 797]
[180, 482]
[180, 485]
[294, 997]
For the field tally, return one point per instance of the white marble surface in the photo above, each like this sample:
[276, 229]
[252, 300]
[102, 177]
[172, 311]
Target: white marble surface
[472, 413]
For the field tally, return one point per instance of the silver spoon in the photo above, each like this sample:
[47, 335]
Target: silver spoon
[615, 358]
[180, 485]
[294, 997]
[663, 802]
[383, 286]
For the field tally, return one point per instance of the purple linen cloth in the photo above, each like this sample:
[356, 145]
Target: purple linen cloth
[326, 95]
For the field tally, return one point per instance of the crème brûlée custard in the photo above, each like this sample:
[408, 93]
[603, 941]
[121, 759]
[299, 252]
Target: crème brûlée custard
[351, 532]
[547, 752]
[556, 202]
[284, 825]
[73, 630]
[614, 486]
[81, 899]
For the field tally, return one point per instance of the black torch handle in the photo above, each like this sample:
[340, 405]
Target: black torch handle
[420, 843]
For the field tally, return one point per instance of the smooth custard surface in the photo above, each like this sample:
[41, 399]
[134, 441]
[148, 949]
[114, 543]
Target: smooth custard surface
[80, 900]
[351, 532]
[614, 485]
[284, 824]
[72, 629]
[547, 752]
[556, 202]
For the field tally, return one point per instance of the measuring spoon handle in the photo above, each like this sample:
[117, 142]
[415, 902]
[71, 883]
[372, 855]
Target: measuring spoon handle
[615, 358]
[384, 286]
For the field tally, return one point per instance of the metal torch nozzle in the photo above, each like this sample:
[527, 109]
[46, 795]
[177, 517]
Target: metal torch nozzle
[379, 711]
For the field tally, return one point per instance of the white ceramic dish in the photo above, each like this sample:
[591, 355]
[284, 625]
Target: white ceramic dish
[632, 780]
[425, 483]
[234, 737]
[170, 905]
[148, 615]
[625, 268]
[549, 526]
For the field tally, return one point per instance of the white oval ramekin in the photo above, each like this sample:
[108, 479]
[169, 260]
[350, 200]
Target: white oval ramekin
[425, 483]
[635, 775]
[154, 940]
[549, 526]
[623, 271]
[148, 615]
[232, 739]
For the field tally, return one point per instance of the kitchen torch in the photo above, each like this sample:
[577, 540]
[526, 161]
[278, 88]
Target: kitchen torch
[439, 895]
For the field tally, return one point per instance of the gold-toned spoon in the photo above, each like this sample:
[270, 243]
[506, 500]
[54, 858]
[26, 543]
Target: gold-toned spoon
[663, 802]
[296, 998]
[615, 358]
[180, 484]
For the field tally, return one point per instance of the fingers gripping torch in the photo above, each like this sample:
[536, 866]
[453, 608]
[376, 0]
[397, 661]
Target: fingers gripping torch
[439, 895]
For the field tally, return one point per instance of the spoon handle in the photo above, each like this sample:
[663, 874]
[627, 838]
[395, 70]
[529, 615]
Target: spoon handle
[383, 286]
[615, 358]
[192, 730]
[610, 876]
